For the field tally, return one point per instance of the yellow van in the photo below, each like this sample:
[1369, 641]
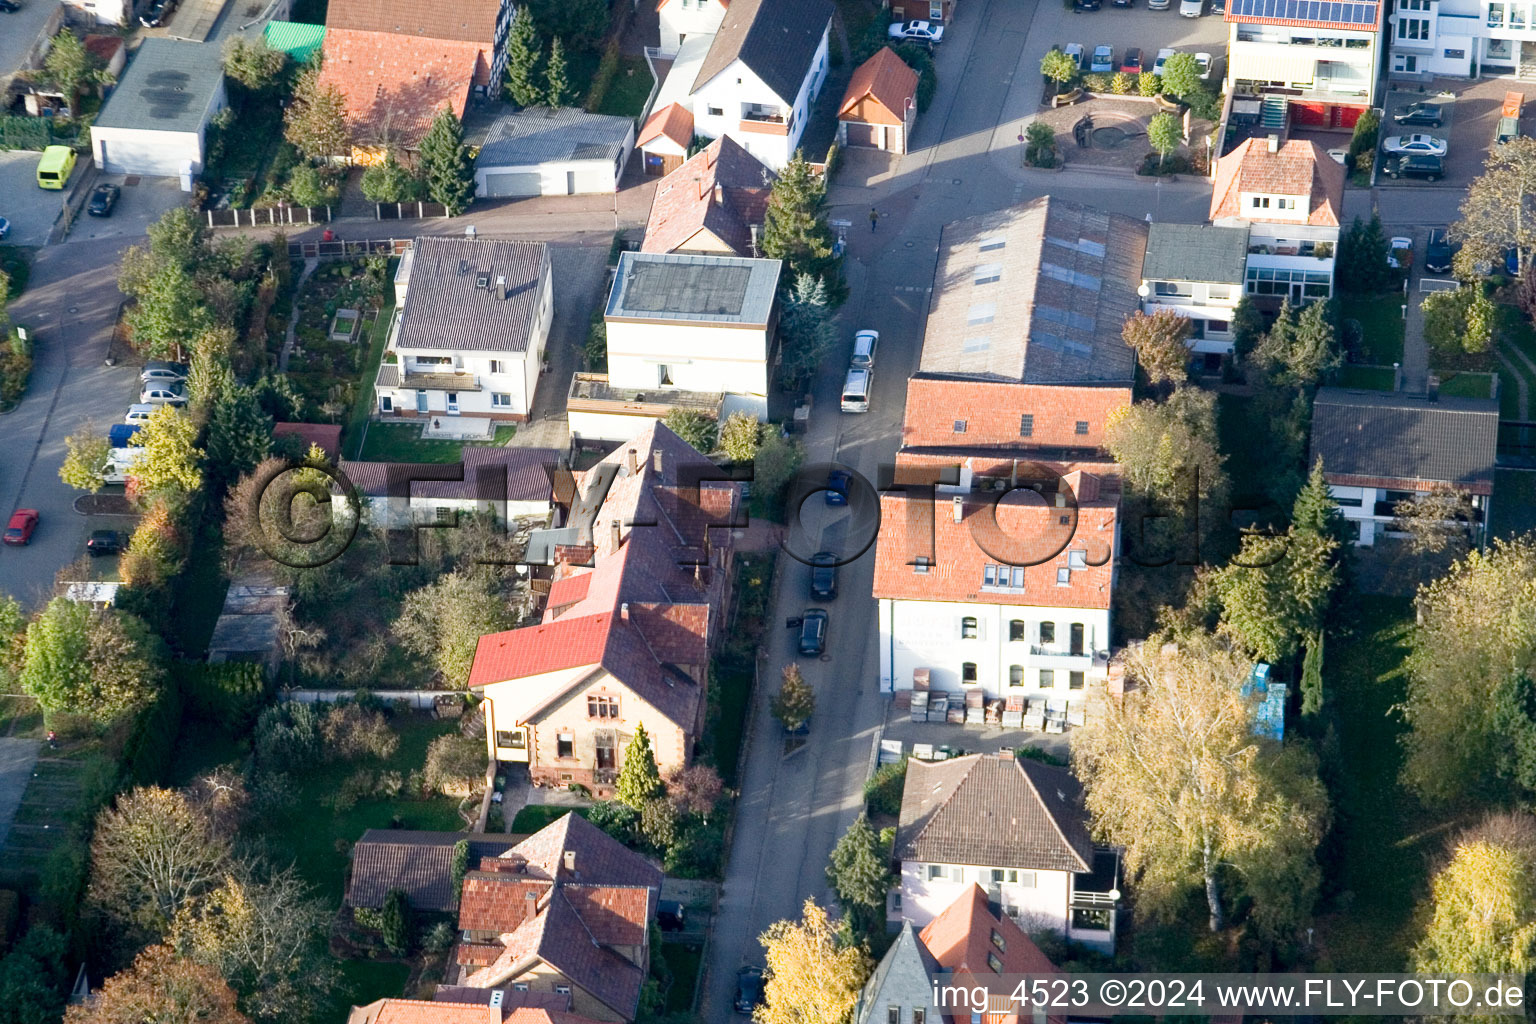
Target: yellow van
[54, 168]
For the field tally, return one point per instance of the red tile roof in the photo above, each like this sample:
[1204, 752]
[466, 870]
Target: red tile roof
[1007, 529]
[1300, 167]
[467, 20]
[722, 188]
[887, 80]
[990, 412]
[571, 642]
[499, 902]
[566, 592]
[395, 85]
[968, 938]
[675, 121]
[416, 1011]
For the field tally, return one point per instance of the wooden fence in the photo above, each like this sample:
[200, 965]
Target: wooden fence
[407, 211]
[269, 215]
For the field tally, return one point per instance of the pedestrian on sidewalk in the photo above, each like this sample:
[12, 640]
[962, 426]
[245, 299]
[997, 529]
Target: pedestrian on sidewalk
[53, 740]
[874, 219]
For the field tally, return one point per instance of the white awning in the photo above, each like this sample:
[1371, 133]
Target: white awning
[1273, 68]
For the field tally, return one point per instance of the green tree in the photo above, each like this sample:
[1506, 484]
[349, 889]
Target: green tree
[639, 780]
[34, 977]
[254, 64]
[169, 314]
[309, 186]
[1312, 695]
[1362, 265]
[1058, 67]
[152, 853]
[581, 23]
[395, 924]
[1482, 903]
[1459, 320]
[1164, 134]
[858, 872]
[163, 988]
[316, 121]
[444, 620]
[1174, 775]
[557, 89]
[1247, 326]
[1300, 348]
[239, 435]
[795, 225]
[1495, 215]
[171, 460]
[697, 429]
[13, 638]
[739, 436]
[445, 164]
[813, 978]
[523, 52]
[85, 459]
[1168, 450]
[56, 672]
[1040, 144]
[71, 67]
[1181, 75]
[1470, 666]
[1363, 139]
[389, 182]
[458, 868]
[1160, 343]
[795, 702]
[777, 460]
[806, 330]
[127, 664]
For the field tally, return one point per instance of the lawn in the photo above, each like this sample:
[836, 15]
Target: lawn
[317, 836]
[352, 434]
[402, 442]
[1515, 336]
[535, 816]
[683, 961]
[1381, 324]
[1381, 838]
[629, 90]
[1467, 385]
[1367, 378]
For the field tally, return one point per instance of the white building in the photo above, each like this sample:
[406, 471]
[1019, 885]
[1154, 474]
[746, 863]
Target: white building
[156, 120]
[511, 483]
[1015, 827]
[683, 330]
[964, 601]
[753, 80]
[1314, 63]
[1290, 198]
[1196, 270]
[469, 337]
[683, 18]
[1463, 38]
[545, 152]
[1381, 447]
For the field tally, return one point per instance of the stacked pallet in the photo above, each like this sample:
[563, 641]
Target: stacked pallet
[994, 712]
[975, 707]
[902, 699]
[956, 715]
[919, 705]
[938, 707]
[1013, 712]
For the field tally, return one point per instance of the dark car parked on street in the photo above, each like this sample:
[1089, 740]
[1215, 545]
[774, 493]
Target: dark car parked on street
[813, 632]
[823, 576]
[1420, 115]
[1085, 5]
[104, 542]
[749, 989]
[9, 6]
[1430, 168]
[1130, 64]
[103, 199]
[1440, 251]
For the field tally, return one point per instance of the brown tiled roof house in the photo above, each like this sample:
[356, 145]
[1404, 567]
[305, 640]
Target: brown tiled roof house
[879, 107]
[713, 204]
[1299, 168]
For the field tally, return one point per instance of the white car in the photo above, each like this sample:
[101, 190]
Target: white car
[1417, 144]
[1191, 8]
[140, 413]
[1103, 58]
[1162, 58]
[1400, 252]
[1203, 61]
[917, 31]
[163, 394]
[1075, 51]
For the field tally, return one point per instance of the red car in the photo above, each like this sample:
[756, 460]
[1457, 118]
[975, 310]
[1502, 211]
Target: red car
[23, 522]
[1130, 64]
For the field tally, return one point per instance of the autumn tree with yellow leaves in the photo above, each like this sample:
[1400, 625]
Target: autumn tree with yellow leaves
[813, 978]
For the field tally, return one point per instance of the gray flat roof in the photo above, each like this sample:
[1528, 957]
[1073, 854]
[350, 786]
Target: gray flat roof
[541, 135]
[166, 87]
[1195, 252]
[708, 289]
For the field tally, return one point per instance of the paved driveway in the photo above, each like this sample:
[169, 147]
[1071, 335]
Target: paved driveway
[17, 756]
[31, 210]
[70, 304]
[143, 202]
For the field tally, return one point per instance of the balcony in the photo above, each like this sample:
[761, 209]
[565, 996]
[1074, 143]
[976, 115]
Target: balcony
[593, 392]
[764, 122]
[1055, 651]
[423, 380]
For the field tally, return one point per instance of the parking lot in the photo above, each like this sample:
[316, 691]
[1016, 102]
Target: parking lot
[1121, 27]
[1470, 115]
[143, 202]
[31, 210]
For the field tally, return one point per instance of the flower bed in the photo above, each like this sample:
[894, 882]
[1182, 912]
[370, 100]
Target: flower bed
[326, 358]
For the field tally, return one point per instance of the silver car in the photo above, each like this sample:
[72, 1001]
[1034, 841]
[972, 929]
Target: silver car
[161, 372]
[163, 394]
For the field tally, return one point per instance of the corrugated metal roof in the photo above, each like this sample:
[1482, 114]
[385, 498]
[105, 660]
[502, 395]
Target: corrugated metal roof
[296, 39]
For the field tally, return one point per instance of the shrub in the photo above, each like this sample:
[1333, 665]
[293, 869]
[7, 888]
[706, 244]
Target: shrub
[395, 924]
[1096, 81]
[455, 765]
[287, 736]
[357, 786]
[350, 731]
[697, 851]
[1147, 84]
[1204, 103]
[1121, 83]
[882, 791]
[607, 68]
[617, 819]
[230, 693]
[439, 938]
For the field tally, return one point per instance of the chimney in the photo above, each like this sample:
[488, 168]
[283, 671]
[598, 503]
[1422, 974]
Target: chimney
[501, 287]
[656, 459]
[1433, 388]
[1273, 143]
[570, 855]
[719, 194]
[613, 529]
[634, 466]
[624, 617]
[497, 995]
[959, 508]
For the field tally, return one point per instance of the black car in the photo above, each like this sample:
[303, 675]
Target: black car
[1218, 6]
[823, 576]
[1440, 252]
[671, 916]
[157, 13]
[103, 198]
[1420, 114]
[749, 989]
[9, 6]
[1122, 3]
[813, 632]
[1085, 5]
[104, 542]
[1430, 168]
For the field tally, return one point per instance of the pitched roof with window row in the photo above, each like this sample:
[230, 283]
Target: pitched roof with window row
[473, 295]
[1383, 438]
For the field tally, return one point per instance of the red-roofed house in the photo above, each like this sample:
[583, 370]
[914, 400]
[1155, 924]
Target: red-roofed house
[1312, 65]
[976, 945]
[879, 107]
[665, 137]
[713, 204]
[1290, 197]
[626, 639]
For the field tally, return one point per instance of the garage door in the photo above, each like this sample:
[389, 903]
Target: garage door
[524, 183]
[863, 134]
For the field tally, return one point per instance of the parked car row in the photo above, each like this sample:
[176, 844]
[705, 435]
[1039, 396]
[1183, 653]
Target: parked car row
[1130, 63]
[162, 383]
[861, 371]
